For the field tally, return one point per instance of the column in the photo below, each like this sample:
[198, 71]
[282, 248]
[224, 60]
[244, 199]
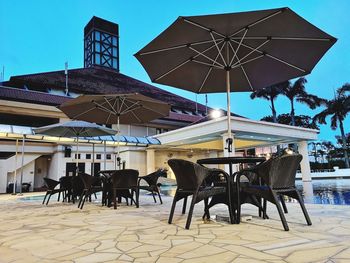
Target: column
[150, 161]
[305, 164]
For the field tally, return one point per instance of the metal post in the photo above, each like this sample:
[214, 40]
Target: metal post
[228, 90]
[76, 158]
[105, 154]
[15, 176]
[93, 160]
[21, 181]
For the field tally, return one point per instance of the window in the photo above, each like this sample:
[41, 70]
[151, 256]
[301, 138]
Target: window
[88, 156]
[77, 156]
[108, 156]
[98, 156]
[158, 131]
[97, 35]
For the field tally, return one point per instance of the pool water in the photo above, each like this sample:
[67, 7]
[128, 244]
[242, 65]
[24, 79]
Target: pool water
[335, 192]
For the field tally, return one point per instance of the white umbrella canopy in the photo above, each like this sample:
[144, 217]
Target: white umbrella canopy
[75, 129]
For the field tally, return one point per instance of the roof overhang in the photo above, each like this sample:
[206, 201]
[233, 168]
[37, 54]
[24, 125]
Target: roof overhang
[250, 133]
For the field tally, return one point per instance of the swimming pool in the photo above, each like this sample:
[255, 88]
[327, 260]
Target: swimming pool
[334, 191]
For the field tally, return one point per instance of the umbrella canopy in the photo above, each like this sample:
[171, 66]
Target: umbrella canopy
[75, 129]
[246, 51]
[115, 108]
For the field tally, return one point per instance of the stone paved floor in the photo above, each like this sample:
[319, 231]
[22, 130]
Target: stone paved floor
[31, 232]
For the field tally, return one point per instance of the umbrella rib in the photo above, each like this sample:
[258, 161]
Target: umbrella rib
[242, 68]
[154, 110]
[133, 113]
[208, 73]
[251, 52]
[271, 56]
[181, 64]
[285, 38]
[258, 21]
[248, 61]
[207, 64]
[202, 27]
[112, 108]
[209, 58]
[176, 47]
[82, 113]
[218, 49]
[239, 45]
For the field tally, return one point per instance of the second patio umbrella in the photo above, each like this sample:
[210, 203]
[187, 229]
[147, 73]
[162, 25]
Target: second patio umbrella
[75, 129]
[234, 52]
[131, 108]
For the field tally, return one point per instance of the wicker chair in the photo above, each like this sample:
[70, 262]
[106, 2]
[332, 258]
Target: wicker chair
[276, 178]
[67, 187]
[124, 184]
[91, 186]
[51, 185]
[152, 183]
[191, 180]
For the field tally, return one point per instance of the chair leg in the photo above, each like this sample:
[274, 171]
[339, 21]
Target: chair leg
[59, 195]
[206, 209]
[184, 206]
[283, 204]
[154, 197]
[48, 199]
[190, 212]
[81, 198]
[45, 197]
[280, 211]
[86, 196]
[301, 202]
[172, 209]
[160, 199]
[137, 198]
[115, 198]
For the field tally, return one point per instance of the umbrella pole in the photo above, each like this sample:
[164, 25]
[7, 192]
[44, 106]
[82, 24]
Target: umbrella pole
[15, 175]
[77, 158]
[229, 140]
[21, 181]
[118, 131]
[105, 154]
[93, 159]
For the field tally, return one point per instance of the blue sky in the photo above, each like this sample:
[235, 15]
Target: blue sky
[40, 35]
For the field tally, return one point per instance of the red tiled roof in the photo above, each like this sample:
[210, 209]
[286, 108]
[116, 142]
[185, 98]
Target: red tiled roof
[31, 96]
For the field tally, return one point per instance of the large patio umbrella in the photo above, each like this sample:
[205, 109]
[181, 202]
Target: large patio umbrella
[131, 108]
[75, 129]
[234, 52]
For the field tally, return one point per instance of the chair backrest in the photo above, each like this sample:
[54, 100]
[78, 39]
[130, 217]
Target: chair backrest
[282, 170]
[125, 179]
[87, 179]
[66, 182]
[51, 184]
[152, 178]
[189, 175]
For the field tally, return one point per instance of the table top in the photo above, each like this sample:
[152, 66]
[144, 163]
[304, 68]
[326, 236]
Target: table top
[231, 160]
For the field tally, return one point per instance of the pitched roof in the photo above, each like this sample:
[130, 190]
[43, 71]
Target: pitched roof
[31, 96]
[99, 80]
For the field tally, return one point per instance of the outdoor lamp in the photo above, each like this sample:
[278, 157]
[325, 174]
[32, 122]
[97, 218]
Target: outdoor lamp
[215, 114]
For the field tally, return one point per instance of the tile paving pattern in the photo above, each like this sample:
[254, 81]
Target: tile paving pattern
[60, 232]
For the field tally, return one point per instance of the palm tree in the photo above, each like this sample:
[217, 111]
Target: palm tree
[296, 91]
[270, 94]
[338, 111]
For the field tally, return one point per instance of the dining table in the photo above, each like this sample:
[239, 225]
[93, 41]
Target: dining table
[232, 160]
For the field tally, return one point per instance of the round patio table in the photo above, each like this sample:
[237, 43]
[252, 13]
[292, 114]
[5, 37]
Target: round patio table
[230, 161]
